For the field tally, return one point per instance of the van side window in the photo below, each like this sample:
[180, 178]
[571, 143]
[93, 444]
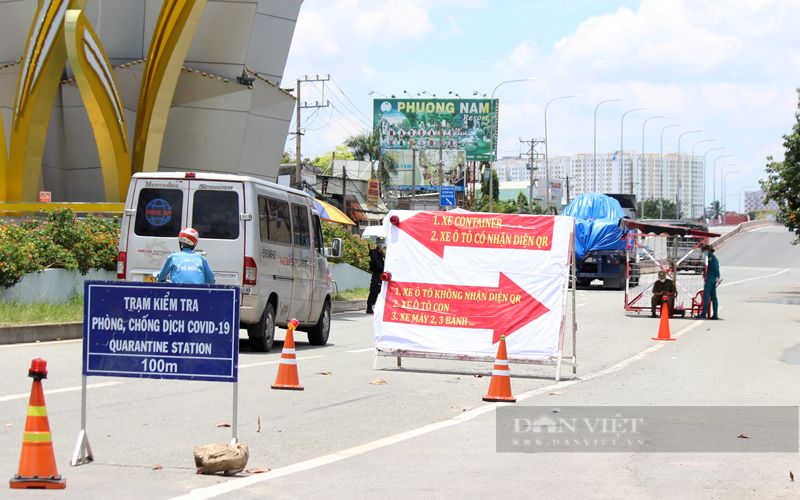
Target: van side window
[263, 220]
[319, 244]
[158, 213]
[278, 221]
[215, 214]
[302, 238]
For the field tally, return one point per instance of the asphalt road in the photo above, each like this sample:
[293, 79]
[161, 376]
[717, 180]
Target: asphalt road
[426, 433]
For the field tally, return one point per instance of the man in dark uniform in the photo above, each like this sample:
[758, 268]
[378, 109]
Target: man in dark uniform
[376, 258]
[710, 287]
[662, 287]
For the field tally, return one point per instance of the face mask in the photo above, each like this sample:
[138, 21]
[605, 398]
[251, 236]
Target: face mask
[662, 279]
[706, 253]
[381, 246]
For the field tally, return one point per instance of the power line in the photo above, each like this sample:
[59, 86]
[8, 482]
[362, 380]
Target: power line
[345, 95]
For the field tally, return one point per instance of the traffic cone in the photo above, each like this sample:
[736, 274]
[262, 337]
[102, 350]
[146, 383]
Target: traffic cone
[663, 327]
[500, 386]
[37, 463]
[287, 371]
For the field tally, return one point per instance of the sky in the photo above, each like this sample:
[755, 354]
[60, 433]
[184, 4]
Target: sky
[727, 68]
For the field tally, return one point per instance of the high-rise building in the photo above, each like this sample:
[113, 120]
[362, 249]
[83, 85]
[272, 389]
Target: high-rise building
[754, 200]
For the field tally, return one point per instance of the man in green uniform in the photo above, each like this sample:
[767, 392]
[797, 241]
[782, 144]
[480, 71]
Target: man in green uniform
[710, 288]
[662, 287]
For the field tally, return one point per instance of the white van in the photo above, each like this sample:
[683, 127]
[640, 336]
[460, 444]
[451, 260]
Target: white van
[262, 237]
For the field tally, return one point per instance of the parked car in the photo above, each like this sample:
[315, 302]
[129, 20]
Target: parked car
[257, 235]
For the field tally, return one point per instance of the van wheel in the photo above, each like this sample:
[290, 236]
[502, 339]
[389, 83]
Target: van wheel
[262, 334]
[319, 333]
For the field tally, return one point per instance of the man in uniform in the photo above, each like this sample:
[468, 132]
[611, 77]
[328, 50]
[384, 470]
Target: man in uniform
[376, 259]
[710, 287]
[661, 288]
[186, 266]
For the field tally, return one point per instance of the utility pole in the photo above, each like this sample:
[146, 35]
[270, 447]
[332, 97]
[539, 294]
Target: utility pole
[566, 181]
[533, 156]
[344, 189]
[298, 174]
[441, 163]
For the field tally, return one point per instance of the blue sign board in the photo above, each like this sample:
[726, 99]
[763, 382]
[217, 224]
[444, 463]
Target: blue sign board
[161, 330]
[447, 196]
[407, 187]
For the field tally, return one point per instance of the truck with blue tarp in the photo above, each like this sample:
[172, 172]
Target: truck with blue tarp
[599, 239]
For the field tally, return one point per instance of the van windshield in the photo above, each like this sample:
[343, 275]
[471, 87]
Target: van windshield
[159, 213]
[215, 214]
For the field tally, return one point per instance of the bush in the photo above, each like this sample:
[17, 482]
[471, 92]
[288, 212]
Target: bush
[355, 251]
[62, 241]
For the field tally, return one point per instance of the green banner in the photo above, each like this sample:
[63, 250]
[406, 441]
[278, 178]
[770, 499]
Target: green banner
[462, 124]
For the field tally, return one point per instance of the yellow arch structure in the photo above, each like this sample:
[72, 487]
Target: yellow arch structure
[3, 160]
[100, 95]
[42, 65]
[172, 37]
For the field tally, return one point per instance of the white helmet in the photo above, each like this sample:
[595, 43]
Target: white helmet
[189, 237]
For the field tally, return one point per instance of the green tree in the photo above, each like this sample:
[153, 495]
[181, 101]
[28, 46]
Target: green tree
[714, 210]
[325, 161]
[652, 209]
[495, 186]
[367, 147]
[522, 201]
[287, 157]
[783, 181]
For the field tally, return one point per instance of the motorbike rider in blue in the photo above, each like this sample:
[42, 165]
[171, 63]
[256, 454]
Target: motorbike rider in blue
[186, 266]
[710, 288]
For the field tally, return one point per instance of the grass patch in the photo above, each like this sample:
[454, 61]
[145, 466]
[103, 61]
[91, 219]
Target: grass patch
[354, 294]
[13, 313]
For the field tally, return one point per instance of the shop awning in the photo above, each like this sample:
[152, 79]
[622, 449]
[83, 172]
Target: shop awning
[331, 214]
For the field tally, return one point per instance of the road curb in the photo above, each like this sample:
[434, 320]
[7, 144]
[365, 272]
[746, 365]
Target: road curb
[340, 306]
[744, 226]
[40, 333]
[48, 332]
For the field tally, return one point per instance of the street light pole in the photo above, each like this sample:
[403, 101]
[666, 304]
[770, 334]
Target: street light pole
[680, 165]
[661, 170]
[704, 178]
[714, 177]
[493, 155]
[642, 180]
[546, 158]
[691, 177]
[594, 158]
[741, 208]
[621, 136]
[724, 201]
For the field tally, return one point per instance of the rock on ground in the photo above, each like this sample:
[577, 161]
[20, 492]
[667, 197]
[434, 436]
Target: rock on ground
[220, 457]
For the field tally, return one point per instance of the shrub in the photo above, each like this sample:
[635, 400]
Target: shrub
[62, 241]
[355, 251]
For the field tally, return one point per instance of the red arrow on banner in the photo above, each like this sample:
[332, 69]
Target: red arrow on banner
[503, 309]
[436, 230]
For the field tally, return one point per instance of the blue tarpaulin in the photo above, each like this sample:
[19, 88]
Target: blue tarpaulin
[596, 223]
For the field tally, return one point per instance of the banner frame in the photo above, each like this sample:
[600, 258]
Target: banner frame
[568, 292]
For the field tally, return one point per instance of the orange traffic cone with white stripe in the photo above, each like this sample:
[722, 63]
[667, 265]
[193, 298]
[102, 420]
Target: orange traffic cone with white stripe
[500, 386]
[37, 463]
[663, 327]
[287, 370]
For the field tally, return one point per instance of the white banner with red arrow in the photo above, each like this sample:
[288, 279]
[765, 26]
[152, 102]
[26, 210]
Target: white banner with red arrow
[460, 280]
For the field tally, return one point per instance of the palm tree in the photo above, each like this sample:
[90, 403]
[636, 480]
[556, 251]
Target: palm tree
[367, 147]
[714, 210]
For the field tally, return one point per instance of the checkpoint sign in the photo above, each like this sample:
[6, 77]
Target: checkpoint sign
[161, 330]
[447, 196]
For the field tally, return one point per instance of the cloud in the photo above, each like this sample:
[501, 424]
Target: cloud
[453, 31]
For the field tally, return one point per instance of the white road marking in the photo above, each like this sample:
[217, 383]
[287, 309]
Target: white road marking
[56, 391]
[227, 487]
[751, 279]
[264, 363]
[362, 350]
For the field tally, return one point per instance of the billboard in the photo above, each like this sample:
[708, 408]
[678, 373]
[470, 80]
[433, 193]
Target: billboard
[414, 124]
[426, 176]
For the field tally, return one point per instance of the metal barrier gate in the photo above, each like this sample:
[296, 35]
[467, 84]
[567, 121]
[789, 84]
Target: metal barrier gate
[680, 257]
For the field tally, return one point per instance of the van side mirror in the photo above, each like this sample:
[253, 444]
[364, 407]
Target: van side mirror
[335, 250]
